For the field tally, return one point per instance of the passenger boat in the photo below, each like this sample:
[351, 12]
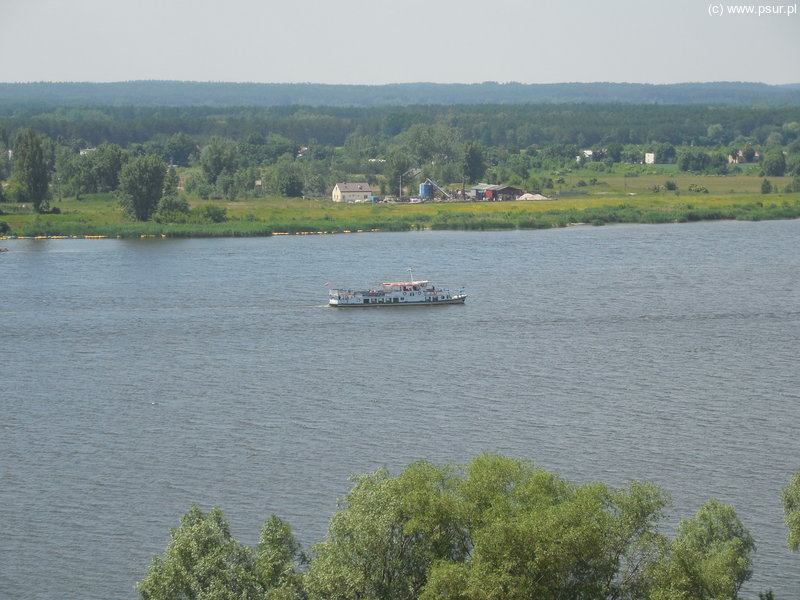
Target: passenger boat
[400, 293]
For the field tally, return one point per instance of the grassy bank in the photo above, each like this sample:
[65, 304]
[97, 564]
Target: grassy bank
[100, 215]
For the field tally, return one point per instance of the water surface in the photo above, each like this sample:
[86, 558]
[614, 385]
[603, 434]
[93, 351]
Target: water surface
[141, 376]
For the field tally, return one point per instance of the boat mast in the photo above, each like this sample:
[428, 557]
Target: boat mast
[412, 274]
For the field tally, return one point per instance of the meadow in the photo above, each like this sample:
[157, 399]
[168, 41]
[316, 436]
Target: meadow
[611, 198]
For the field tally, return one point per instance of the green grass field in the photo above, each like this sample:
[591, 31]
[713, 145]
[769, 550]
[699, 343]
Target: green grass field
[617, 199]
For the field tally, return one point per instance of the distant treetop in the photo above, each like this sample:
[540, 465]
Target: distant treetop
[187, 93]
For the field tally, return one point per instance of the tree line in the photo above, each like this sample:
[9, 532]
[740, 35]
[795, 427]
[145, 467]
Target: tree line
[183, 93]
[512, 126]
[496, 528]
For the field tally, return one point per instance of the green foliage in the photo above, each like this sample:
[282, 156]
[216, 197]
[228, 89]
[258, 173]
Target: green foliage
[793, 186]
[171, 182]
[179, 149]
[473, 163]
[278, 560]
[502, 528]
[689, 159]
[105, 164]
[387, 535]
[790, 496]
[496, 528]
[614, 151]
[536, 535]
[774, 164]
[766, 187]
[397, 166]
[202, 562]
[172, 209]
[211, 213]
[216, 158]
[89, 173]
[709, 559]
[16, 192]
[197, 184]
[29, 171]
[290, 183]
[141, 185]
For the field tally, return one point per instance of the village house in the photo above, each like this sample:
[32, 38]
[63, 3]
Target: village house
[743, 156]
[351, 192]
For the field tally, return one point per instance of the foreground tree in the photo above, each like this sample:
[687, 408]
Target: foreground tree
[29, 175]
[202, 561]
[791, 507]
[387, 535]
[504, 529]
[278, 561]
[141, 183]
[536, 535]
[495, 529]
[709, 559]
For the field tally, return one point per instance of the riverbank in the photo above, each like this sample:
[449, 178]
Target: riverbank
[100, 216]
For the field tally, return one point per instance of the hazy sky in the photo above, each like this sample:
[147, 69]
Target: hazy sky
[378, 41]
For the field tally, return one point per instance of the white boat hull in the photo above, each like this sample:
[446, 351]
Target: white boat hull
[402, 293]
[458, 299]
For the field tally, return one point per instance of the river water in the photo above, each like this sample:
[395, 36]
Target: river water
[140, 376]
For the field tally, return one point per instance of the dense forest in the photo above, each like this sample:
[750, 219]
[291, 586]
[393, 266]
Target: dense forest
[513, 127]
[192, 93]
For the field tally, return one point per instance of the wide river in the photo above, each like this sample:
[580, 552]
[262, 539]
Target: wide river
[140, 376]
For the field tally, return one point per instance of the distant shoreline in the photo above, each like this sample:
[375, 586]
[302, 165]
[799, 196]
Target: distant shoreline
[195, 93]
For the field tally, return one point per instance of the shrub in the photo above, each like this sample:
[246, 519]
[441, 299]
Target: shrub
[212, 212]
[172, 204]
[171, 216]
[794, 186]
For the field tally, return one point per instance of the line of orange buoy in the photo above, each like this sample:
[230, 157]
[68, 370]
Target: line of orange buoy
[161, 235]
[323, 232]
